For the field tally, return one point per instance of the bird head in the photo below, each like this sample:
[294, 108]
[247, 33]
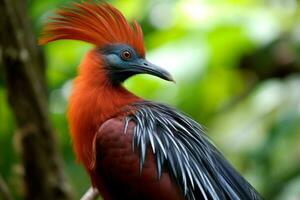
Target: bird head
[122, 61]
[119, 45]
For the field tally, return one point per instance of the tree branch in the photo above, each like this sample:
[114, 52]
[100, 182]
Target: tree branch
[91, 194]
[24, 74]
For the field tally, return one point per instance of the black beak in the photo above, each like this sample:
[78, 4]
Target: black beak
[143, 66]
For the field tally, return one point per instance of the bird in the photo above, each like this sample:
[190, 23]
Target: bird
[134, 148]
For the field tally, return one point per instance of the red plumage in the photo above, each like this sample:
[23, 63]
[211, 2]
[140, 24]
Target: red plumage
[120, 166]
[98, 24]
[93, 99]
[92, 102]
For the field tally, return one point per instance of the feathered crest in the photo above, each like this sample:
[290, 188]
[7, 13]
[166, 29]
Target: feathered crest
[96, 23]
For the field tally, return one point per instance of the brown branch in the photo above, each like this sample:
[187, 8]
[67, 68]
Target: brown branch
[5, 194]
[24, 75]
[91, 194]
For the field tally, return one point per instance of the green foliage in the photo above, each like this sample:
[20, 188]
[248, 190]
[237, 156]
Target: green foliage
[252, 116]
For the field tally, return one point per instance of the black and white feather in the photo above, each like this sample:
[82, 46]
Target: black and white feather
[180, 144]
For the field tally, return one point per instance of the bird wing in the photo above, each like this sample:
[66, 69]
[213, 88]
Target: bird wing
[167, 145]
[118, 167]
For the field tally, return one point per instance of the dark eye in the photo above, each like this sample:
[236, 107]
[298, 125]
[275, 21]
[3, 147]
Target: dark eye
[126, 55]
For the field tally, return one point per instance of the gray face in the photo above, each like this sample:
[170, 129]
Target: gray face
[122, 61]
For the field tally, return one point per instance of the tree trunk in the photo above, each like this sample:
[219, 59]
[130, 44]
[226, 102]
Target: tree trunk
[4, 191]
[24, 74]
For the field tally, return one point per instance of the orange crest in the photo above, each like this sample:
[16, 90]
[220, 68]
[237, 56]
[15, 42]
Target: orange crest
[95, 23]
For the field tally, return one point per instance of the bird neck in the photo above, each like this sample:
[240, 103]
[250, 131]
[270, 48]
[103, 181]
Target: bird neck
[93, 101]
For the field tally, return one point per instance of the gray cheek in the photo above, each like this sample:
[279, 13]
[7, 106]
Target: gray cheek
[112, 60]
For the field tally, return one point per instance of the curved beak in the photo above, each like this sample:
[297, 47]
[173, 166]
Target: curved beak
[143, 66]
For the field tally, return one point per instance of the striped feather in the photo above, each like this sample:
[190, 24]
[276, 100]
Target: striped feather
[180, 144]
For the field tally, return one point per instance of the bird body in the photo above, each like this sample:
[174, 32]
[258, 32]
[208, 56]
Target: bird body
[92, 102]
[133, 148]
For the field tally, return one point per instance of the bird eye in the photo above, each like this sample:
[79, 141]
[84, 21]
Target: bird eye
[126, 55]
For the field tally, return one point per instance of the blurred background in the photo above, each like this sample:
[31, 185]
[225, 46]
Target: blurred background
[236, 64]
